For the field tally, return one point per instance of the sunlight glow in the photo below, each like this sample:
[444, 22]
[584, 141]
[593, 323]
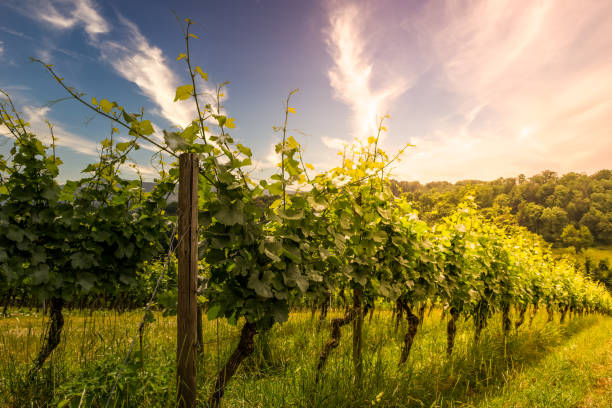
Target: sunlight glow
[351, 75]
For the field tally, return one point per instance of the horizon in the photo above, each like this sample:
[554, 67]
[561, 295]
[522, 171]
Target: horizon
[483, 91]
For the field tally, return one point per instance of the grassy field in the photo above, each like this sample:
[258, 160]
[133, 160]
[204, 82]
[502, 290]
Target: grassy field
[596, 254]
[546, 365]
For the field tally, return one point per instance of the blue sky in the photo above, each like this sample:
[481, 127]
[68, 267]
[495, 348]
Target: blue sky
[483, 89]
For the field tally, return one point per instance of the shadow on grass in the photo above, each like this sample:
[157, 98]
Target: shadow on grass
[429, 379]
[281, 372]
[487, 366]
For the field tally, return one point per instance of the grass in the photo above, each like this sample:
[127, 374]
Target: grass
[596, 254]
[547, 365]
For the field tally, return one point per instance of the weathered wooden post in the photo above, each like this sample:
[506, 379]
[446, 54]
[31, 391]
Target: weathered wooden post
[187, 252]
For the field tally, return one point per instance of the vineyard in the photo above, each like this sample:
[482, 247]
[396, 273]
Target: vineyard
[333, 263]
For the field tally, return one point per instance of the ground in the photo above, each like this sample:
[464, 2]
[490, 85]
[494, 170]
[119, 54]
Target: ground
[542, 365]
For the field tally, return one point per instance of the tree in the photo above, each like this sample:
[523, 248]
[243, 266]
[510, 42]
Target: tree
[579, 238]
[553, 221]
[529, 215]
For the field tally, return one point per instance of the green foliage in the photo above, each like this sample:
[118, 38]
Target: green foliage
[89, 236]
[345, 229]
[544, 203]
[578, 238]
[522, 367]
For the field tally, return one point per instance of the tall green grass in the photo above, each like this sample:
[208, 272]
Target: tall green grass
[281, 373]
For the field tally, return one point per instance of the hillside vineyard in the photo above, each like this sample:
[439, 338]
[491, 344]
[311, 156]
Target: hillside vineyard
[323, 234]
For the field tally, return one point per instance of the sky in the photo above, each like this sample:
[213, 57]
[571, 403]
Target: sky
[482, 89]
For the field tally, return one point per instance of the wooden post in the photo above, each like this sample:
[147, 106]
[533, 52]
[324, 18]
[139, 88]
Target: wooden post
[187, 253]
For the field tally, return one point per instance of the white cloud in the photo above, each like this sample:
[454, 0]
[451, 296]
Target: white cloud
[1, 48]
[16, 33]
[36, 117]
[132, 56]
[146, 66]
[44, 55]
[67, 14]
[334, 143]
[351, 77]
[533, 90]
[147, 171]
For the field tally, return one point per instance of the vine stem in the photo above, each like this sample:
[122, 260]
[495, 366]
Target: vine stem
[93, 108]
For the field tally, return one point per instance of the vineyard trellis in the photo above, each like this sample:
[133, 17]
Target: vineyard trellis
[328, 233]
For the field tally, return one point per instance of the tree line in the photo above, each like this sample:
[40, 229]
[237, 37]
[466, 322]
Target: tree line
[570, 210]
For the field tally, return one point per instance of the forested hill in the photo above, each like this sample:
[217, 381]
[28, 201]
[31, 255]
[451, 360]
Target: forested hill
[570, 210]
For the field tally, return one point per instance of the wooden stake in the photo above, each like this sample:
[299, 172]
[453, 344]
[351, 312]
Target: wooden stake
[187, 252]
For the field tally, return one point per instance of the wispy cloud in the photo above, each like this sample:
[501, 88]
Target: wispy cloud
[147, 171]
[67, 14]
[48, 47]
[533, 85]
[334, 143]
[145, 65]
[527, 84]
[16, 33]
[352, 74]
[36, 117]
[124, 48]
[1, 48]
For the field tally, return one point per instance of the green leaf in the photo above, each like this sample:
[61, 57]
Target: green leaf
[213, 312]
[106, 106]
[40, 274]
[262, 289]
[316, 203]
[203, 74]
[275, 188]
[226, 177]
[51, 193]
[294, 276]
[272, 249]
[175, 141]
[280, 312]
[15, 234]
[129, 117]
[231, 214]
[82, 260]
[86, 281]
[38, 257]
[244, 150]
[221, 120]
[183, 92]
[379, 236]
[190, 133]
[291, 214]
[122, 147]
[146, 128]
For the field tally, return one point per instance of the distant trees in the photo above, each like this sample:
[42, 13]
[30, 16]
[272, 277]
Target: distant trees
[553, 220]
[579, 238]
[599, 272]
[569, 210]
